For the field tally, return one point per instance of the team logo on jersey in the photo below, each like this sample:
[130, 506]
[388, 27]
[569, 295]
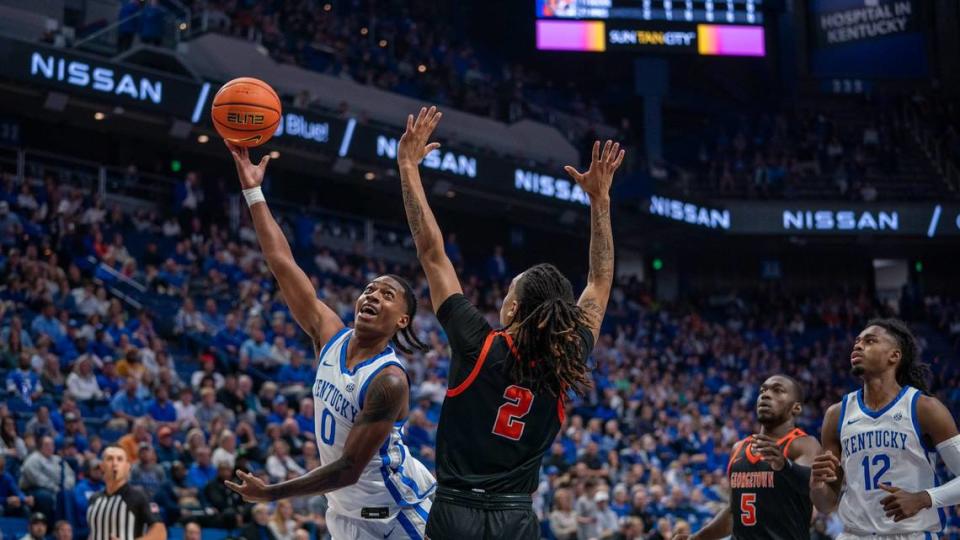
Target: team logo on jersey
[898, 417]
[351, 387]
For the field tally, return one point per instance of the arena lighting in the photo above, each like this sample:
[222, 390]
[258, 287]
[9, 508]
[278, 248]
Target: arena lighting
[203, 139]
[657, 263]
[176, 166]
[327, 7]
[274, 154]
[383, 43]
[451, 194]
[183, 26]
[364, 31]
[370, 175]
[422, 68]
[99, 116]
[918, 266]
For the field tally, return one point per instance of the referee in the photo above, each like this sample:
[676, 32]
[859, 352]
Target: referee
[122, 511]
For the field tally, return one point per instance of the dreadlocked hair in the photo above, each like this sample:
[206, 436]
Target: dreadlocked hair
[549, 348]
[911, 371]
[406, 340]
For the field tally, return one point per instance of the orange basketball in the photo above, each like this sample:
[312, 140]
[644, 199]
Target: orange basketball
[246, 112]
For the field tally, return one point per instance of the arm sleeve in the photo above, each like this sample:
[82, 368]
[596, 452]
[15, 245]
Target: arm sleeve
[949, 493]
[146, 510]
[466, 329]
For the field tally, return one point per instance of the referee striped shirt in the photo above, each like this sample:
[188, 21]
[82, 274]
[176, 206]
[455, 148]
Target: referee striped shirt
[125, 514]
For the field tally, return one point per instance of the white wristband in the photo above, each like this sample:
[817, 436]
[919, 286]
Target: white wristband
[253, 196]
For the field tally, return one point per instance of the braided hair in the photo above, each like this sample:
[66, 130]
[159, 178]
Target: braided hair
[409, 341]
[911, 371]
[548, 346]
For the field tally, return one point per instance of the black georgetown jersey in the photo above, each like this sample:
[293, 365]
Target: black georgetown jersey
[767, 504]
[126, 514]
[492, 433]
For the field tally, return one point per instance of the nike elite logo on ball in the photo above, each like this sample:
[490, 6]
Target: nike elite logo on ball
[244, 118]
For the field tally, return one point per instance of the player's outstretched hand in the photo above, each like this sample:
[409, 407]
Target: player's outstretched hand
[250, 175]
[825, 469]
[596, 181]
[250, 487]
[900, 504]
[413, 145]
[767, 448]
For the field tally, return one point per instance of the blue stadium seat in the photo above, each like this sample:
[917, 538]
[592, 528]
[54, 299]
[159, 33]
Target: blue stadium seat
[14, 527]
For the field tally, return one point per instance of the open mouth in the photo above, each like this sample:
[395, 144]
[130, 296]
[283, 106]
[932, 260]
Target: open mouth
[369, 310]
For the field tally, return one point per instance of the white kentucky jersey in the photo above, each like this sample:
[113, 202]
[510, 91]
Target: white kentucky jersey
[393, 479]
[884, 447]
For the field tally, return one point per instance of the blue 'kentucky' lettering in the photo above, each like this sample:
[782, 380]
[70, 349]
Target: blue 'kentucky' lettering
[328, 392]
[867, 440]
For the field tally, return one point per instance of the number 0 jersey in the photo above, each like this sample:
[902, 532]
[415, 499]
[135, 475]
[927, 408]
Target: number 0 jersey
[493, 432]
[767, 504]
[392, 480]
[884, 447]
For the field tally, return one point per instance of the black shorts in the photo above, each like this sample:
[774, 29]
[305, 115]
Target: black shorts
[463, 515]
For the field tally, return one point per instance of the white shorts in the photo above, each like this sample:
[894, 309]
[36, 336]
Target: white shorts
[902, 536]
[409, 522]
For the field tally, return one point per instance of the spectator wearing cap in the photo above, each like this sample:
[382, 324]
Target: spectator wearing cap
[91, 483]
[168, 449]
[82, 382]
[38, 527]
[563, 520]
[75, 430]
[202, 471]
[13, 500]
[280, 410]
[127, 405]
[606, 522]
[44, 474]
[161, 409]
[147, 473]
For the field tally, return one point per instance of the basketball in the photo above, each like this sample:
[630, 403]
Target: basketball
[246, 112]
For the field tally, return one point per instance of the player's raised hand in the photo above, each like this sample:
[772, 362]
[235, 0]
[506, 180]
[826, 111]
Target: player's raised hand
[825, 469]
[766, 447]
[413, 145]
[901, 505]
[250, 175]
[598, 178]
[250, 487]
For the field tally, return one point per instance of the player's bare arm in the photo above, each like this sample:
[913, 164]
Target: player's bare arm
[596, 183]
[939, 431]
[157, 531]
[385, 403]
[413, 147]
[802, 452]
[826, 474]
[316, 319]
[721, 526]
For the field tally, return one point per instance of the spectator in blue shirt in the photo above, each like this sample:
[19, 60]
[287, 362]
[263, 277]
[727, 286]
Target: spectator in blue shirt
[12, 500]
[110, 383]
[47, 323]
[24, 382]
[162, 409]
[92, 483]
[296, 375]
[255, 350]
[128, 24]
[126, 404]
[73, 428]
[202, 471]
[305, 418]
[280, 410]
[151, 23]
[229, 339]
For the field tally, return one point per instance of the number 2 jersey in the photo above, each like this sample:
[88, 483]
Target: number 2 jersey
[392, 481]
[493, 432]
[884, 447]
[767, 504]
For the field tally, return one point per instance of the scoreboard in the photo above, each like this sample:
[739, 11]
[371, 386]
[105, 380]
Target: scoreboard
[704, 27]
